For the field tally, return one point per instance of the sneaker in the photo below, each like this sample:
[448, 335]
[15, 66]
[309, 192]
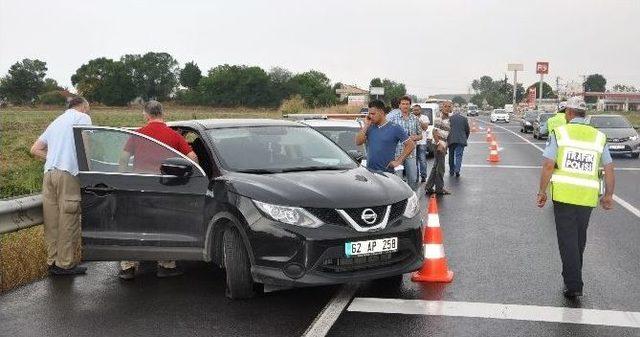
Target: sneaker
[127, 274]
[424, 179]
[571, 293]
[457, 174]
[75, 270]
[167, 272]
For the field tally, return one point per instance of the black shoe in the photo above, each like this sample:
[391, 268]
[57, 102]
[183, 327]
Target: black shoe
[167, 272]
[430, 191]
[424, 179]
[457, 174]
[443, 192]
[127, 274]
[451, 174]
[572, 293]
[75, 270]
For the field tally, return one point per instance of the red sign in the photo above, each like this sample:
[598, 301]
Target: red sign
[542, 68]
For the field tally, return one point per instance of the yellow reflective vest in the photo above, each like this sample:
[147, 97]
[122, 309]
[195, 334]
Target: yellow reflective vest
[575, 179]
[556, 121]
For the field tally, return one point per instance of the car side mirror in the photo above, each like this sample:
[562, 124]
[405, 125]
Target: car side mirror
[179, 167]
[356, 155]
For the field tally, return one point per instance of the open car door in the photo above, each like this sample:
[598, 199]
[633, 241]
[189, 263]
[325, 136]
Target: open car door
[141, 199]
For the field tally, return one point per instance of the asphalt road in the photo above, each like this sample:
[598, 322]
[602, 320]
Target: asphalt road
[501, 247]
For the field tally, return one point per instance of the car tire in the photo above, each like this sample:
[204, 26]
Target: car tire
[237, 265]
[635, 155]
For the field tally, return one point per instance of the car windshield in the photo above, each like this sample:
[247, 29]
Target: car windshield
[544, 117]
[531, 114]
[610, 122]
[273, 149]
[499, 111]
[343, 136]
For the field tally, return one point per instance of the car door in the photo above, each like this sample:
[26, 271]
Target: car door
[141, 200]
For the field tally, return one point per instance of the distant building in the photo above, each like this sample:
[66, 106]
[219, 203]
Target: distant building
[353, 95]
[616, 101]
[467, 97]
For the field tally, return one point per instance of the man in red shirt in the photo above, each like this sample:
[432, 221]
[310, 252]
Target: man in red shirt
[147, 158]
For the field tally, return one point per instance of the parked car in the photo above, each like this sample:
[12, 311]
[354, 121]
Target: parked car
[539, 122]
[621, 136]
[527, 121]
[472, 110]
[499, 115]
[341, 132]
[273, 202]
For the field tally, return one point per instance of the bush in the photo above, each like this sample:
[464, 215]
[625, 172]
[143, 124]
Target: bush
[188, 97]
[54, 97]
[292, 105]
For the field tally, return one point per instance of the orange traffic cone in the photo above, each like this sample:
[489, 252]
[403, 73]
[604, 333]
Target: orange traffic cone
[489, 135]
[474, 127]
[493, 145]
[493, 154]
[434, 267]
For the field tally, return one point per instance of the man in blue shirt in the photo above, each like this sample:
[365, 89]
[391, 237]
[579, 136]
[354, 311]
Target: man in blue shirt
[381, 138]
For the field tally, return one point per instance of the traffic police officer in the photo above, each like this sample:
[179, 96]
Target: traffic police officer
[555, 121]
[572, 161]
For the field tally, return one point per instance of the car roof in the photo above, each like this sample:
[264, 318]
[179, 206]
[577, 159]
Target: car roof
[232, 122]
[606, 116]
[331, 123]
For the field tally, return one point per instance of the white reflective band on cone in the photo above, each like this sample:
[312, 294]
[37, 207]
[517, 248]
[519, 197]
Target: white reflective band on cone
[433, 251]
[433, 220]
[575, 181]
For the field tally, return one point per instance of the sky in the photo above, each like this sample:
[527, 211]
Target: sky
[433, 47]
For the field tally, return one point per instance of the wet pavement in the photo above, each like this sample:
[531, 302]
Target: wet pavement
[501, 247]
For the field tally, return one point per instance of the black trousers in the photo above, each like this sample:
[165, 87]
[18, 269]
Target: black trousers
[571, 226]
[436, 177]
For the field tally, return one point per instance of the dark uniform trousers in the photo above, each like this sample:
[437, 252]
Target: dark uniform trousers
[436, 177]
[571, 226]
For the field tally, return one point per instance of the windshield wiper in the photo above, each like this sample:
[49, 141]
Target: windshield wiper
[259, 171]
[314, 168]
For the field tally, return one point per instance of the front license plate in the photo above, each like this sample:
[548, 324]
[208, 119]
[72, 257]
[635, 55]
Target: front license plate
[371, 247]
[616, 147]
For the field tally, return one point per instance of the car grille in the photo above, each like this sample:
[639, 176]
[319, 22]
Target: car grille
[618, 140]
[331, 216]
[350, 264]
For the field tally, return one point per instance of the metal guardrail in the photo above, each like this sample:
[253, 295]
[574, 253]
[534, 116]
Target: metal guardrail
[20, 213]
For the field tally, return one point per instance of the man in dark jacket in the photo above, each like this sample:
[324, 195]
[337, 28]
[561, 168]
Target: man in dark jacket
[457, 141]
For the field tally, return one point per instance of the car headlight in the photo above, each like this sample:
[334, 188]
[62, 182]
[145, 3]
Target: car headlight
[290, 215]
[633, 137]
[413, 206]
[527, 123]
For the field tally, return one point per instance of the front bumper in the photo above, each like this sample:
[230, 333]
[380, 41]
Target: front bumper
[289, 256]
[628, 147]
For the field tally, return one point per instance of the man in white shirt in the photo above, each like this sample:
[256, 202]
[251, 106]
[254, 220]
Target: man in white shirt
[61, 189]
[421, 145]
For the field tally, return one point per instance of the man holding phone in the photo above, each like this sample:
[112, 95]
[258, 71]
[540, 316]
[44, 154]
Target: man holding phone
[381, 138]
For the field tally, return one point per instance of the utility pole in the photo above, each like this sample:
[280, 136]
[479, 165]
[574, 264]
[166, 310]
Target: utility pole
[515, 67]
[558, 91]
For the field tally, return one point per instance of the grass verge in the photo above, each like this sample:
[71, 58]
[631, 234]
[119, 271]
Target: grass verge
[23, 257]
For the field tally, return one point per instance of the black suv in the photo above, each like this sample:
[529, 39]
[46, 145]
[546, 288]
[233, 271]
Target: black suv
[273, 202]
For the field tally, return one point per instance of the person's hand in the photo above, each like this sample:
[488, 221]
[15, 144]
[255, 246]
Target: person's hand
[542, 199]
[607, 202]
[394, 163]
[366, 123]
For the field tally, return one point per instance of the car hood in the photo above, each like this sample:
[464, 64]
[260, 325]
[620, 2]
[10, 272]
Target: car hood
[618, 132]
[351, 188]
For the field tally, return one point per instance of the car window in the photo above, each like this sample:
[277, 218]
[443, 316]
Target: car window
[609, 122]
[277, 149]
[112, 150]
[544, 117]
[343, 136]
[530, 114]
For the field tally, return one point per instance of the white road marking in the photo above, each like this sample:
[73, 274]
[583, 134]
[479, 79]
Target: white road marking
[518, 312]
[502, 143]
[533, 167]
[616, 198]
[331, 312]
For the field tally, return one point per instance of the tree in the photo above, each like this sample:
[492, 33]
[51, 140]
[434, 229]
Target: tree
[459, 100]
[234, 85]
[51, 85]
[280, 83]
[104, 80]
[392, 89]
[594, 83]
[624, 88]
[24, 81]
[314, 87]
[154, 75]
[547, 90]
[190, 76]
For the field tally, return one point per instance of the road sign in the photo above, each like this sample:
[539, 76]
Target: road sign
[542, 68]
[376, 91]
[515, 67]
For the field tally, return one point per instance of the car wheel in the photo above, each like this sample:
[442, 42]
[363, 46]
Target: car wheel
[534, 135]
[238, 268]
[635, 155]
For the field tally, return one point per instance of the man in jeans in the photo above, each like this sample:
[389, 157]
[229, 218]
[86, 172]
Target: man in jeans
[382, 139]
[421, 145]
[61, 189]
[457, 141]
[158, 130]
[411, 125]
